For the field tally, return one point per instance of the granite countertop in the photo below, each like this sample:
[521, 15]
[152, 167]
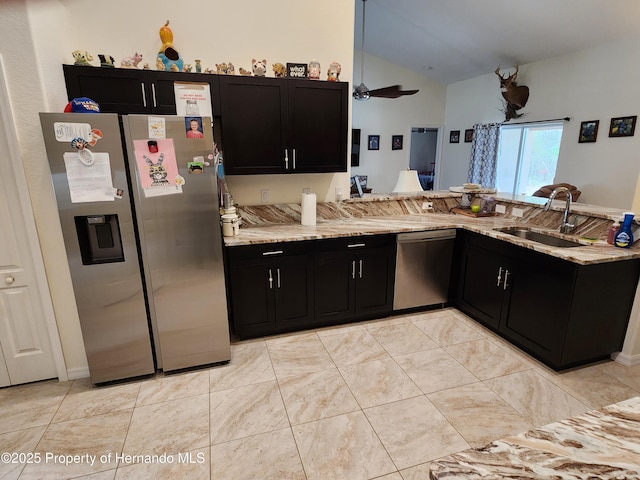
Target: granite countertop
[589, 253]
[602, 444]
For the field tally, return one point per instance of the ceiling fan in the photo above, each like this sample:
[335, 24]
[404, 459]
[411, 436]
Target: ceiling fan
[362, 92]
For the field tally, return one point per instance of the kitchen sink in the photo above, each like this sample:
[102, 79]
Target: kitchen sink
[540, 237]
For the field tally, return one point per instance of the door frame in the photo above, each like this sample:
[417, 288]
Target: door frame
[440, 130]
[23, 205]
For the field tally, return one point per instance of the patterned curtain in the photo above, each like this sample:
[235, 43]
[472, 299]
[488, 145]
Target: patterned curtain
[484, 154]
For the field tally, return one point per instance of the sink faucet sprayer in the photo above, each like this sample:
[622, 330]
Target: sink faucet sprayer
[565, 226]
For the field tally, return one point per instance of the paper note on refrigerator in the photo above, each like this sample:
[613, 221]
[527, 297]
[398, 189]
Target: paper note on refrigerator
[89, 183]
[157, 167]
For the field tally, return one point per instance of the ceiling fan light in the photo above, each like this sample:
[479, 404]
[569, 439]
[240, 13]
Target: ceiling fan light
[361, 92]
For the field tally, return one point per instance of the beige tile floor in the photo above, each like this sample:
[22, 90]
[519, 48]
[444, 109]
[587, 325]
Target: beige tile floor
[370, 400]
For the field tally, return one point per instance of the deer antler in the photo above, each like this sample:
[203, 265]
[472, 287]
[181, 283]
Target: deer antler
[498, 73]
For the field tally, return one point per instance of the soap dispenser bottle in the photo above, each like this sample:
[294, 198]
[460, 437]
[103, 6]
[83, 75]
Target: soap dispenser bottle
[624, 237]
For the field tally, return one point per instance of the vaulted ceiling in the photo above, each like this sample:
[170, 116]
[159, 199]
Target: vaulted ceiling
[453, 40]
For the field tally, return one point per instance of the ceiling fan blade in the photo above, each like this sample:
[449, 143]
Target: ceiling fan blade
[391, 92]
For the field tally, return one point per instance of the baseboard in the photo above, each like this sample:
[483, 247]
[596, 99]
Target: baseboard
[77, 373]
[626, 360]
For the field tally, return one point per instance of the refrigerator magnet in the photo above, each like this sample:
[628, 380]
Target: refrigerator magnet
[195, 167]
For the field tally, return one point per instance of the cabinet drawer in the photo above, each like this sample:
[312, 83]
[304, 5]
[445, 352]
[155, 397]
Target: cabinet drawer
[268, 250]
[354, 243]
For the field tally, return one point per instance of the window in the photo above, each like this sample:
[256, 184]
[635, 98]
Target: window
[527, 157]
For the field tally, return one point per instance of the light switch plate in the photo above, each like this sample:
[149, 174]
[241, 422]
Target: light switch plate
[517, 212]
[501, 209]
[264, 195]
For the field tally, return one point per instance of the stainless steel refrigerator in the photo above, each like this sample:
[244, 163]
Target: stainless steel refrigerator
[139, 212]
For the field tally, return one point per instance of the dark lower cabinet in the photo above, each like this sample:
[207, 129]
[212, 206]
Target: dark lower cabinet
[354, 278]
[563, 313]
[271, 288]
[275, 288]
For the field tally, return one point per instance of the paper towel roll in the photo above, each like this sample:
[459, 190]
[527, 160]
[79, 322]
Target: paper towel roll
[308, 216]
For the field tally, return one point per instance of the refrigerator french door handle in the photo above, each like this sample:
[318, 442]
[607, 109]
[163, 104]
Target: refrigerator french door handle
[144, 95]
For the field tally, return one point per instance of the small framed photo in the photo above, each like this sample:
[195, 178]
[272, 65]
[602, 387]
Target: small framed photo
[623, 126]
[468, 135]
[588, 131]
[396, 142]
[454, 136]
[297, 70]
[374, 142]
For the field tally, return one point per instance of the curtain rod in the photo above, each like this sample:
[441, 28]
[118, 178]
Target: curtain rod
[566, 119]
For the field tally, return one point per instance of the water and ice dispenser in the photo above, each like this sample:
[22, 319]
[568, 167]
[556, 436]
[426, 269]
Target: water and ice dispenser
[99, 239]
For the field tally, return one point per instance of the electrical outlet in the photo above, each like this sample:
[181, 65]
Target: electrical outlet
[339, 194]
[264, 195]
[306, 190]
[501, 209]
[427, 205]
[517, 212]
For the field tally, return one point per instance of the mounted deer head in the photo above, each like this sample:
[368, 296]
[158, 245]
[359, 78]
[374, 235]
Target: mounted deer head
[515, 96]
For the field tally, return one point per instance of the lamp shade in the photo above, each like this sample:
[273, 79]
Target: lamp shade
[407, 182]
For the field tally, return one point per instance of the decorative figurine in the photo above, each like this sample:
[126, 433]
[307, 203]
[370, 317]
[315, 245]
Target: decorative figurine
[82, 58]
[231, 70]
[146, 66]
[174, 68]
[259, 68]
[132, 61]
[279, 70]
[333, 74]
[187, 67]
[198, 66]
[159, 64]
[244, 72]
[167, 53]
[106, 60]
[314, 70]
[221, 68]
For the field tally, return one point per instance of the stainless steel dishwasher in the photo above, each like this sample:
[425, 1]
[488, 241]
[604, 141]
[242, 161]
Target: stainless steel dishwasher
[423, 268]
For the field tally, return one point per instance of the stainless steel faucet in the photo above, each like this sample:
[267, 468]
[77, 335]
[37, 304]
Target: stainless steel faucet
[565, 227]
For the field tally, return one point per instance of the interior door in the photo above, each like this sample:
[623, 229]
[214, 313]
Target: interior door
[25, 350]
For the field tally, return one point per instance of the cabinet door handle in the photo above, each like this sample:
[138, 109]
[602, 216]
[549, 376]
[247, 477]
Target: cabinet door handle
[278, 274]
[499, 277]
[144, 95]
[294, 158]
[286, 159]
[270, 280]
[355, 245]
[506, 278]
[272, 252]
[360, 269]
[153, 94]
[353, 269]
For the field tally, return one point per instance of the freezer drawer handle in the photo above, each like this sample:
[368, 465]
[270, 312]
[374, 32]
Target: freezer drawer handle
[355, 245]
[499, 277]
[144, 95]
[270, 280]
[273, 252]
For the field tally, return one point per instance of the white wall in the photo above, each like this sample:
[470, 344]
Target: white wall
[387, 117]
[39, 36]
[594, 84]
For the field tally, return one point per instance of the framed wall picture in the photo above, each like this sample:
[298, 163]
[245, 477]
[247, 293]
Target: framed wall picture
[355, 147]
[588, 131]
[374, 142]
[468, 135]
[454, 136]
[623, 126]
[396, 142]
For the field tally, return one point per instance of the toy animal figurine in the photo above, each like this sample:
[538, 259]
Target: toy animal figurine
[106, 60]
[132, 61]
[231, 70]
[244, 72]
[279, 70]
[198, 66]
[146, 67]
[82, 58]
[157, 172]
[221, 68]
[174, 68]
[333, 74]
[159, 64]
[259, 68]
[187, 67]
